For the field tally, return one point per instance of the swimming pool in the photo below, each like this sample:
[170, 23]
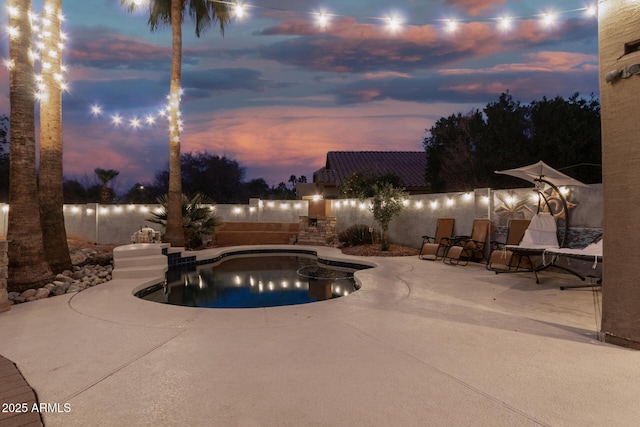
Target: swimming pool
[256, 280]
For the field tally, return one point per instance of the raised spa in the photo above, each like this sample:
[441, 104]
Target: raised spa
[256, 280]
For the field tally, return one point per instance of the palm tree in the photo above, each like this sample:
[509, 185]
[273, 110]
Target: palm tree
[54, 233]
[105, 175]
[28, 267]
[204, 13]
[199, 219]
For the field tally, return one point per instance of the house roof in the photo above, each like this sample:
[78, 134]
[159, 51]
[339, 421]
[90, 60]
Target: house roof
[409, 166]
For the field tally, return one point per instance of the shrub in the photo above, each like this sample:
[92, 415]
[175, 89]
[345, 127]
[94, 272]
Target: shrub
[357, 234]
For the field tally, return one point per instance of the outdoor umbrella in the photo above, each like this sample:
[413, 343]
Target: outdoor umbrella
[542, 172]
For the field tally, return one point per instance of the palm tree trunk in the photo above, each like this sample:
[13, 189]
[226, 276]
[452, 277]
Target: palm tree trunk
[27, 264]
[54, 233]
[174, 233]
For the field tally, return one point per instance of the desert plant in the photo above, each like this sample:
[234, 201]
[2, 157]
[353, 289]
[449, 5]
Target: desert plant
[357, 234]
[197, 219]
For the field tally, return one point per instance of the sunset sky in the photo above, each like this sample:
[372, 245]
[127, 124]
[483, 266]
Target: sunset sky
[278, 91]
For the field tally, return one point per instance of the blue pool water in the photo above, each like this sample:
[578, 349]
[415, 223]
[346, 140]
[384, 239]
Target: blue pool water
[254, 281]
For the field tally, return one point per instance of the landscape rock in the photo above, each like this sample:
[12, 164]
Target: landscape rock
[42, 293]
[28, 293]
[49, 286]
[73, 288]
[63, 278]
[58, 290]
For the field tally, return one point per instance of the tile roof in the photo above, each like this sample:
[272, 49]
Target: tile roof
[410, 166]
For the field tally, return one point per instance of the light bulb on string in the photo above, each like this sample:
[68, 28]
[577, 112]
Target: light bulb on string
[96, 110]
[393, 23]
[322, 20]
[451, 25]
[548, 19]
[135, 123]
[505, 23]
[238, 10]
[116, 119]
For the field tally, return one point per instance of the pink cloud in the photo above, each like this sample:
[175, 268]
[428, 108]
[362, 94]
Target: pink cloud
[538, 62]
[294, 139]
[474, 7]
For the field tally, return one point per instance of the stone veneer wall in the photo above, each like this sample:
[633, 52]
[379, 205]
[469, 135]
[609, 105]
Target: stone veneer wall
[317, 230]
[4, 263]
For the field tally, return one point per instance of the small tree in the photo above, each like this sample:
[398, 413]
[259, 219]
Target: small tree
[387, 202]
[106, 175]
[197, 219]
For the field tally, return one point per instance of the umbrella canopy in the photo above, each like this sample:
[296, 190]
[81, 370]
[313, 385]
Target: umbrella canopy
[542, 171]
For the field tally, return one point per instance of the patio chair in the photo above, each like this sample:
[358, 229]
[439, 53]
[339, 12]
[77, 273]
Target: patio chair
[541, 235]
[502, 259]
[433, 248]
[468, 248]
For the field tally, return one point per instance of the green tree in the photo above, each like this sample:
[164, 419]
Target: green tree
[219, 178]
[171, 13]
[257, 187]
[463, 151]
[451, 160]
[359, 185]
[198, 219]
[28, 267]
[386, 203]
[567, 134]
[106, 175]
[50, 189]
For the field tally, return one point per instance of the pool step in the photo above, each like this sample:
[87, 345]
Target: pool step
[137, 261]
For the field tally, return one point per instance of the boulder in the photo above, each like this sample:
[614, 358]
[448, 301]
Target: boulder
[63, 278]
[42, 293]
[28, 293]
[73, 288]
[57, 290]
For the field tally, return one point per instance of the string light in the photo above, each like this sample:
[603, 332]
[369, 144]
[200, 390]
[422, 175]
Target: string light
[323, 20]
[548, 19]
[393, 23]
[116, 119]
[451, 25]
[96, 110]
[505, 23]
[238, 10]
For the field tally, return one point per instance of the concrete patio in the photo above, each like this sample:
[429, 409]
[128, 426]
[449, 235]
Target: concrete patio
[421, 343]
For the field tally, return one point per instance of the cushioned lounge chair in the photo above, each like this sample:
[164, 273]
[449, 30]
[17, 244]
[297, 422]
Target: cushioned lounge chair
[502, 259]
[591, 253]
[468, 248]
[541, 235]
[433, 248]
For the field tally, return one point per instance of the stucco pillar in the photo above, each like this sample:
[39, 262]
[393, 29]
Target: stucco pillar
[619, 36]
[4, 262]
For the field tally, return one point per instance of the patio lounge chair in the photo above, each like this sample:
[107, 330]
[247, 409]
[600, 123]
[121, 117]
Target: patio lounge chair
[433, 248]
[502, 259]
[468, 248]
[541, 235]
[592, 252]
